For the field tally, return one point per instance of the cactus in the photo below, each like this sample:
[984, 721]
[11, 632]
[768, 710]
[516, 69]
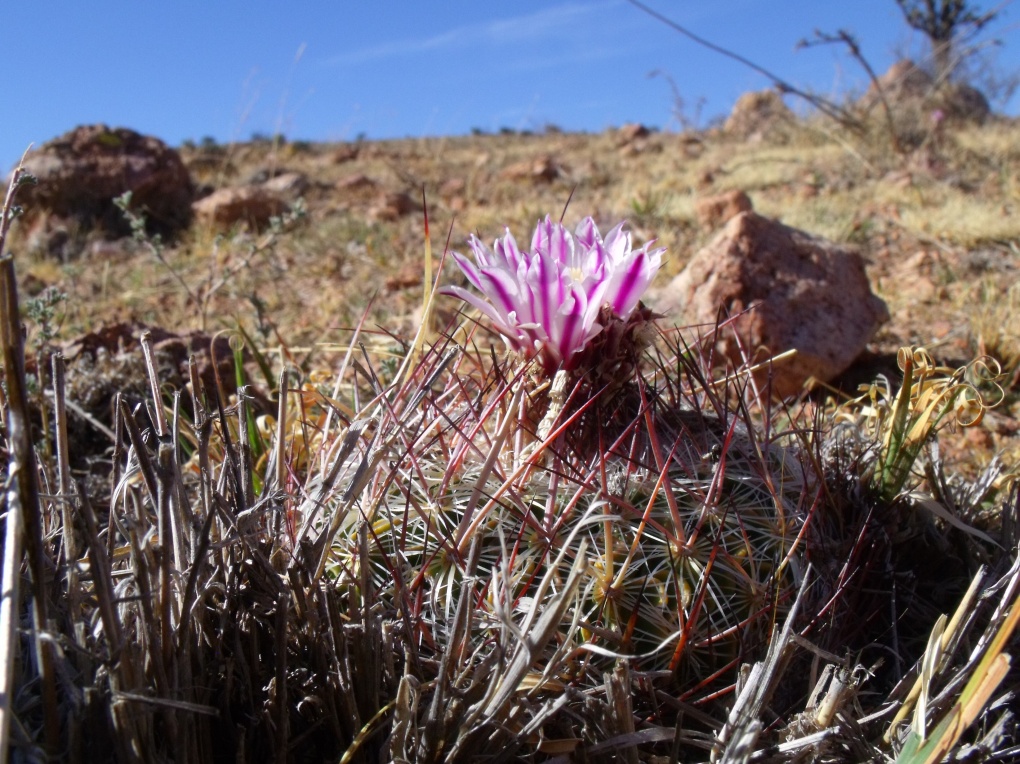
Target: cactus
[682, 523]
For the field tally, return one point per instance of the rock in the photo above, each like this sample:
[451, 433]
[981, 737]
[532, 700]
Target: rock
[1000, 423]
[202, 190]
[916, 277]
[354, 182]
[345, 153]
[452, 192]
[899, 178]
[641, 146]
[809, 294]
[54, 237]
[542, 169]
[118, 250]
[914, 96]
[249, 205]
[287, 185]
[979, 437]
[962, 103]
[81, 173]
[358, 191]
[259, 176]
[108, 362]
[714, 211]
[705, 179]
[631, 132]
[408, 276]
[392, 206]
[452, 187]
[903, 82]
[809, 186]
[755, 113]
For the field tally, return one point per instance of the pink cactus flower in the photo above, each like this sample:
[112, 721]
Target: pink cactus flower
[547, 301]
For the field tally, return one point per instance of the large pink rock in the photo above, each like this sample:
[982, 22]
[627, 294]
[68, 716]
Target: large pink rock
[808, 294]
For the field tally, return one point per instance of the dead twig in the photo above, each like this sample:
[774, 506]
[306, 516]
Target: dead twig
[823, 105]
[845, 38]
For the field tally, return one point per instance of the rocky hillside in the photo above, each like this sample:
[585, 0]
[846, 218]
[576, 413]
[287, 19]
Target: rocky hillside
[294, 242]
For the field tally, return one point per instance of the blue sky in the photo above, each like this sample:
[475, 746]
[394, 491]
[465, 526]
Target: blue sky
[332, 71]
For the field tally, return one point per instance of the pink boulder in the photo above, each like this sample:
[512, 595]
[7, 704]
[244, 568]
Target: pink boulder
[713, 211]
[789, 291]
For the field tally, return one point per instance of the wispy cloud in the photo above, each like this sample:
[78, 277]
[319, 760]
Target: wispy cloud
[514, 31]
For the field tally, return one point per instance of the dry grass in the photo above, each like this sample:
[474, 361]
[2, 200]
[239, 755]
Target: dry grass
[995, 324]
[372, 572]
[825, 182]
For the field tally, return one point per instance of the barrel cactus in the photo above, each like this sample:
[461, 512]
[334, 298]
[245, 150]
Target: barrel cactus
[589, 495]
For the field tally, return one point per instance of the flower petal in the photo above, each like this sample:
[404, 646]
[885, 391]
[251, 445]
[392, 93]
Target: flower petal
[617, 243]
[483, 255]
[545, 289]
[501, 288]
[468, 269]
[554, 240]
[506, 249]
[571, 324]
[628, 285]
[587, 233]
[502, 323]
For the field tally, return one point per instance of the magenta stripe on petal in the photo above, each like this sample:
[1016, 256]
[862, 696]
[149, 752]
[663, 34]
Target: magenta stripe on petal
[502, 289]
[632, 286]
[572, 323]
[512, 334]
[483, 255]
[500, 252]
[557, 242]
[513, 254]
[468, 269]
